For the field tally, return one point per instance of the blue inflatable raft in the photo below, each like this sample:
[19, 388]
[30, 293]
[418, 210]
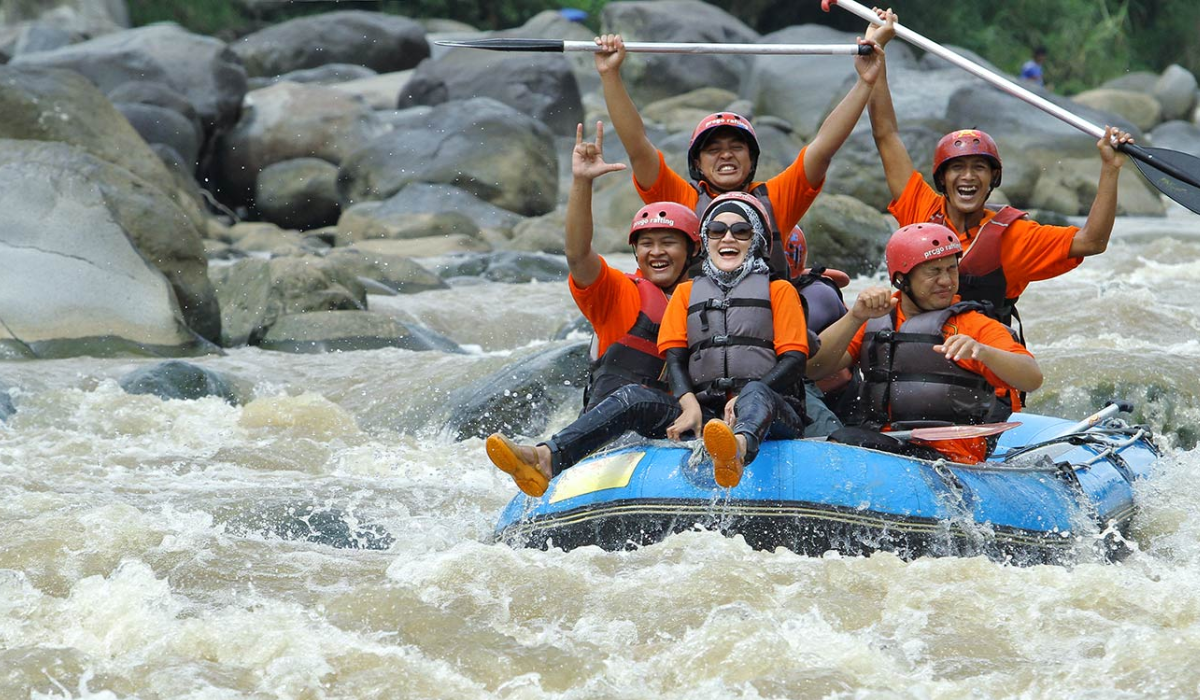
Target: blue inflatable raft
[1051, 488]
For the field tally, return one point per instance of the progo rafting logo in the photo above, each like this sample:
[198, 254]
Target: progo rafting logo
[656, 221]
[936, 251]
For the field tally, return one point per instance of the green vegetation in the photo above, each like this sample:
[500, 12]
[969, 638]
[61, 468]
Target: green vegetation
[1089, 41]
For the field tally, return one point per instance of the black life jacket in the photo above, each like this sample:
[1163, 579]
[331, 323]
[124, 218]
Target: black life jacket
[905, 380]
[731, 336]
[980, 275]
[633, 358]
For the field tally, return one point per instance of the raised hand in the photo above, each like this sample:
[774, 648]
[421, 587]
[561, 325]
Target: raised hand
[873, 302]
[882, 34]
[1107, 145]
[611, 55]
[961, 347]
[587, 160]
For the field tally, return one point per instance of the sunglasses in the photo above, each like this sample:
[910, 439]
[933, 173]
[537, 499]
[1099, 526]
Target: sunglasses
[741, 230]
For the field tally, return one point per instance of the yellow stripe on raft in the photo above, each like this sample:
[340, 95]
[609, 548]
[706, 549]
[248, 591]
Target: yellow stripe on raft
[606, 473]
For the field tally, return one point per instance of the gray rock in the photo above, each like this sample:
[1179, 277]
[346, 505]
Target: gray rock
[399, 274]
[507, 266]
[176, 379]
[74, 283]
[339, 331]
[255, 293]
[1141, 109]
[328, 74]
[1178, 136]
[931, 61]
[200, 68]
[799, 88]
[651, 77]
[299, 193]
[1138, 81]
[35, 37]
[539, 85]
[857, 169]
[370, 221]
[1175, 90]
[483, 146]
[146, 92]
[845, 234]
[520, 398]
[159, 125]
[425, 198]
[378, 41]
[288, 121]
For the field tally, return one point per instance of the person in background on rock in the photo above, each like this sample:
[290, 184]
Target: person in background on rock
[625, 390]
[925, 354]
[736, 342]
[723, 156]
[1031, 70]
[1005, 250]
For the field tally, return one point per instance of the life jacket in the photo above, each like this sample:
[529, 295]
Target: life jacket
[731, 337]
[821, 309]
[634, 357]
[980, 275]
[905, 380]
[781, 268]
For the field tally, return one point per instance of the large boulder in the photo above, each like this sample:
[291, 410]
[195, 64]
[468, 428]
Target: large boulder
[74, 282]
[651, 77]
[300, 193]
[1175, 90]
[256, 293]
[1178, 136]
[845, 234]
[290, 120]
[159, 125]
[201, 68]
[539, 85]
[1143, 110]
[420, 198]
[483, 146]
[176, 379]
[339, 331]
[378, 41]
[166, 234]
[398, 273]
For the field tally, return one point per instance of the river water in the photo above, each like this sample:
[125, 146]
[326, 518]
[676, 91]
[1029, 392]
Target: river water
[142, 554]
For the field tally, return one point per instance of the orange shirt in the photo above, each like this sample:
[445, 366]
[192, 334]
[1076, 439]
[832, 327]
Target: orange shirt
[611, 304]
[791, 330]
[983, 329]
[1029, 251]
[790, 192]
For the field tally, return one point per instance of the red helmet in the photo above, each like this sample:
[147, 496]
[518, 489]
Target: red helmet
[917, 243]
[750, 201]
[670, 216]
[795, 252]
[715, 121]
[967, 142]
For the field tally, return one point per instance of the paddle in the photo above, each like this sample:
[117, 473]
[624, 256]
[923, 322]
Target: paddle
[952, 432]
[1112, 409]
[556, 46]
[1173, 173]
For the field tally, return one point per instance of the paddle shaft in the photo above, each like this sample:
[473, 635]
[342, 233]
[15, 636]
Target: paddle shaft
[1012, 88]
[1108, 411]
[553, 46]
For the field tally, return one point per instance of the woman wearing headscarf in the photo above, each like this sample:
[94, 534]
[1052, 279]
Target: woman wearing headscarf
[736, 342]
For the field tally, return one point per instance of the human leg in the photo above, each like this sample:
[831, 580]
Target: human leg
[824, 421]
[632, 407]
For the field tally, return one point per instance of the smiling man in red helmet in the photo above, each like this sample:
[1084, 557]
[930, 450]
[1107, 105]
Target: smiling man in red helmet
[1004, 249]
[723, 153]
[925, 354]
[626, 389]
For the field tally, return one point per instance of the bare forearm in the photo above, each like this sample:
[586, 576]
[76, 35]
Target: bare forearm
[1093, 238]
[897, 164]
[582, 259]
[1015, 369]
[832, 357]
[626, 119]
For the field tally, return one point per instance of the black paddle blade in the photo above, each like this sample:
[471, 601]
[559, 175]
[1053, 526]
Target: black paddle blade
[1175, 174]
[502, 44]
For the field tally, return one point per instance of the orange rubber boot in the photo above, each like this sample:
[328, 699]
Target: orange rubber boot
[722, 445]
[519, 462]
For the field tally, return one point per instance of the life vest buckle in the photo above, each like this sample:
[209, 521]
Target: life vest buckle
[723, 384]
[720, 340]
[717, 304]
